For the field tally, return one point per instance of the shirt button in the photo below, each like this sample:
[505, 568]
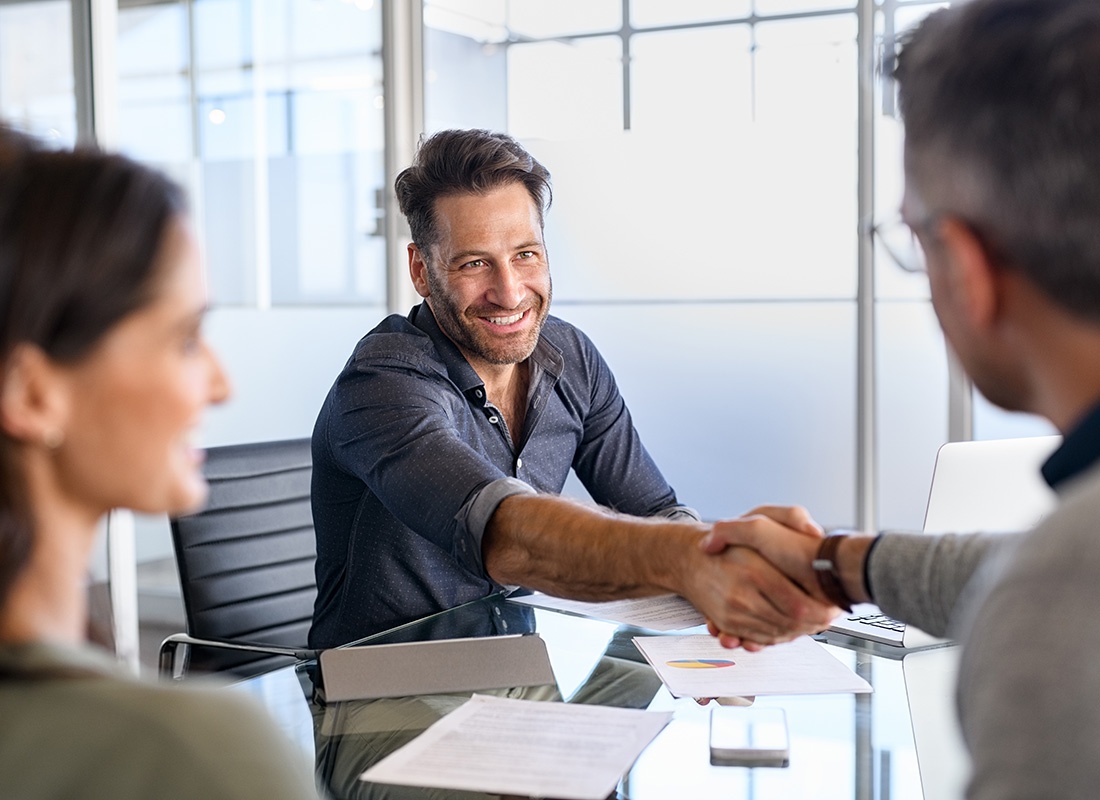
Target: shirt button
[519, 463]
[478, 393]
[493, 419]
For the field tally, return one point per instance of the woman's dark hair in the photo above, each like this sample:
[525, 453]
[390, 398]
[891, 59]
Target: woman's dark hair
[80, 232]
[465, 162]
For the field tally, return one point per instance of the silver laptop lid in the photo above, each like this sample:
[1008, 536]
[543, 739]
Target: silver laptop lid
[992, 485]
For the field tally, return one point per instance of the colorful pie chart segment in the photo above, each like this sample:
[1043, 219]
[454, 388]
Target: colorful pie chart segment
[700, 663]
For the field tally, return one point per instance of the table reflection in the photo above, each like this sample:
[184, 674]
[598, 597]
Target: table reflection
[351, 736]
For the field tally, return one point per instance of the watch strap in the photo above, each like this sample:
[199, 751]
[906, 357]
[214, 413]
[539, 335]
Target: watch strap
[828, 573]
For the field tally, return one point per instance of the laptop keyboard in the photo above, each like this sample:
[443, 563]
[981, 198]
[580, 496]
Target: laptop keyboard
[879, 621]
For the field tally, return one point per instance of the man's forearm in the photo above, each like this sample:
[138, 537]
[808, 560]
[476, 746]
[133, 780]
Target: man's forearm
[563, 547]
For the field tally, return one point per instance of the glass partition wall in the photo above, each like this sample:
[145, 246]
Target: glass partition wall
[272, 112]
[38, 77]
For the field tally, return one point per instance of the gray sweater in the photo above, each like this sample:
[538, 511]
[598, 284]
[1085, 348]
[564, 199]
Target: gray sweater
[1028, 694]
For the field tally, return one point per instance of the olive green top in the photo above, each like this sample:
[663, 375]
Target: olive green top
[74, 725]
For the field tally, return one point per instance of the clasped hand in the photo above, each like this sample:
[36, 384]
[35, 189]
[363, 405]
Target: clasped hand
[772, 594]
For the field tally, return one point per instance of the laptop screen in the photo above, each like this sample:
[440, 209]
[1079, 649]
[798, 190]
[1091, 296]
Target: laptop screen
[990, 486]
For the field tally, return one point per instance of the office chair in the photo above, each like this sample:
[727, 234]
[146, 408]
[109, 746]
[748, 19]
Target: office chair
[246, 563]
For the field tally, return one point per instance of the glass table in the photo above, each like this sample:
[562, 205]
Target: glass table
[842, 745]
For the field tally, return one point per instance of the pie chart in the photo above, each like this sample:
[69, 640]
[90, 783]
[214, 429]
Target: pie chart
[700, 663]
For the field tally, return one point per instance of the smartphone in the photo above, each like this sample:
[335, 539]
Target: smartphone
[749, 737]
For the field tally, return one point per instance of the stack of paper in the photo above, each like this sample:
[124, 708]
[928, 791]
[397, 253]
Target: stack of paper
[663, 613]
[523, 747]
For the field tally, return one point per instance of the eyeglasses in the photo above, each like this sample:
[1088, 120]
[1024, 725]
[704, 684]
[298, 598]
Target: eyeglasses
[901, 244]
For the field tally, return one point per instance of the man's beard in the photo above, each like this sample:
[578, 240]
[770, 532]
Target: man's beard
[466, 332]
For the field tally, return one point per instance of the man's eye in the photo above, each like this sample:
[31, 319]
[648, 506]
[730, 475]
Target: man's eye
[477, 262]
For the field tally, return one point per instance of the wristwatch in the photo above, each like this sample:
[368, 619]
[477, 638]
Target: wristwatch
[828, 573]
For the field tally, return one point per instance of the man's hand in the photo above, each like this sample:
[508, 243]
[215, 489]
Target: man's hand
[788, 538]
[751, 602]
[785, 535]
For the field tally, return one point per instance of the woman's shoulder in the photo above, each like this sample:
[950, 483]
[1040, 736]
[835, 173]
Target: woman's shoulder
[182, 741]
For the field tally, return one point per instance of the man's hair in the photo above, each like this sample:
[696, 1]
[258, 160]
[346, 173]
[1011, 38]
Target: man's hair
[465, 162]
[1001, 103]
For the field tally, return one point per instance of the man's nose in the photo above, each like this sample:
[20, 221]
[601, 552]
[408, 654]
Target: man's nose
[508, 290]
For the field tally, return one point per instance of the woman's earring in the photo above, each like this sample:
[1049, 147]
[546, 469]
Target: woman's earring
[53, 438]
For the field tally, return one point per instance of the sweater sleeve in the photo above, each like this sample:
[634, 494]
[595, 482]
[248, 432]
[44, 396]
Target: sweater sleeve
[919, 578]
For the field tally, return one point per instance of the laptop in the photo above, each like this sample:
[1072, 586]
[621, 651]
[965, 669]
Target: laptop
[990, 486]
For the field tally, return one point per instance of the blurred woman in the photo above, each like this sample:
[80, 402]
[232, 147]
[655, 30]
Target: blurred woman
[104, 376]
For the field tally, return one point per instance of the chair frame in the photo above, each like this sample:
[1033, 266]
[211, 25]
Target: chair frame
[174, 656]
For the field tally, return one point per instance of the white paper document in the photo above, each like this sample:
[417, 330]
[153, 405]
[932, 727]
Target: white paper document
[664, 613]
[523, 747]
[697, 666]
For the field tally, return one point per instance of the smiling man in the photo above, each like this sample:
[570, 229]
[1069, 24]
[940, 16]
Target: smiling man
[442, 447]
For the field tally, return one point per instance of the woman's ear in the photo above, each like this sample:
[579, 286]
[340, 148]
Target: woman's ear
[34, 397]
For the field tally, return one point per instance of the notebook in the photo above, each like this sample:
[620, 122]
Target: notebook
[991, 486]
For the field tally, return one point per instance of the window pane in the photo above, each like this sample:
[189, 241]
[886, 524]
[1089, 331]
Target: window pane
[991, 422]
[687, 81]
[728, 429]
[650, 13]
[541, 19]
[561, 90]
[765, 7]
[806, 75]
[465, 82]
[756, 212]
[911, 396]
[154, 94]
[36, 69]
[480, 20]
[279, 132]
[891, 281]
[499, 20]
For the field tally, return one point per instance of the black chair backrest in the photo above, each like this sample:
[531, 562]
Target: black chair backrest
[246, 560]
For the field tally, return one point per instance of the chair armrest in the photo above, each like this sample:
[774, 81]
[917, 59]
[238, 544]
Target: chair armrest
[167, 656]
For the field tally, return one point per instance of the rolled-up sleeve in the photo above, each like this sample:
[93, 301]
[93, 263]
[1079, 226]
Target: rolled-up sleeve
[473, 519]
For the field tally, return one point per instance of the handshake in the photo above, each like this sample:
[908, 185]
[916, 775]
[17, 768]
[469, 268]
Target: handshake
[767, 577]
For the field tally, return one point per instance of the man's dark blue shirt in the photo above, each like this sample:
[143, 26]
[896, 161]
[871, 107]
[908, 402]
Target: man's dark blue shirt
[410, 461]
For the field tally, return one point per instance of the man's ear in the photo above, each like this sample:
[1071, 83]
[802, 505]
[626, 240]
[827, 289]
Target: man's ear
[974, 280]
[34, 397]
[418, 271]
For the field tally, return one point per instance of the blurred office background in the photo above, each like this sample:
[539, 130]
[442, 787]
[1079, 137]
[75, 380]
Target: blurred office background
[718, 168]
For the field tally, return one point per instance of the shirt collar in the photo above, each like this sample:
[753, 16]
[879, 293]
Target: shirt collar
[1080, 449]
[458, 368]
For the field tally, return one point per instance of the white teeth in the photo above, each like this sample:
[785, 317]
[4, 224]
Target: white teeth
[505, 320]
